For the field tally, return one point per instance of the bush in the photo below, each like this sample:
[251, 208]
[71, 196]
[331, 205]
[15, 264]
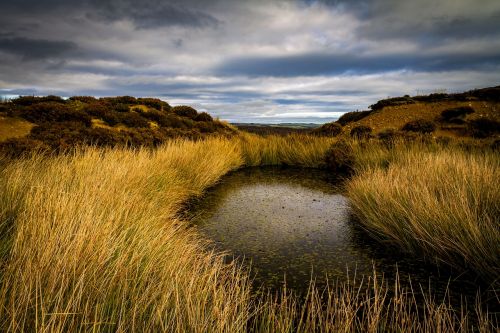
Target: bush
[483, 127]
[328, 129]
[30, 100]
[155, 103]
[340, 159]
[84, 99]
[389, 135]
[203, 116]
[361, 132]
[419, 126]
[132, 119]
[54, 112]
[119, 100]
[456, 115]
[121, 108]
[185, 111]
[17, 147]
[353, 116]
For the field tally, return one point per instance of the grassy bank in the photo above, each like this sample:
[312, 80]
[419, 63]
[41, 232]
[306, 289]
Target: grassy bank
[92, 241]
[440, 202]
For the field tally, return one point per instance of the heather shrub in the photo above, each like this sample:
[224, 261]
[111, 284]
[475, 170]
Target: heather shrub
[84, 99]
[30, 100]
[419, 126]
[456, 115]
[340, 159]
[17, 147]
[54, 112]
[120, 100]
[361, 132]
[185, 111]
[121, 108]
[203, 116]
[328, 129]
[155, 103]
[132, 119]
[483, 127]
[349, 117]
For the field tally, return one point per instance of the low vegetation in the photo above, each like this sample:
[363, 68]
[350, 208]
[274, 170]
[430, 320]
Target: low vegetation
[438, 202]
[58, 124]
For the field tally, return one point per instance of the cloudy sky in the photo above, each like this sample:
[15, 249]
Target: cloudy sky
[250, 61]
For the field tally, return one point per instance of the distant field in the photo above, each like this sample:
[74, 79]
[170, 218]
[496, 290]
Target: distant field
[279, 129]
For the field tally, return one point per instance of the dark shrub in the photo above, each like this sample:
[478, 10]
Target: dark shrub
[328, 129]
[419, 126]
[155, 103]
[483, 127]
[120, 100]
[340, 159]
[30, 100]
[456, 115]
[132, 119]
[392, 102]
[203, 116]
[361, 132]
[349, 117]
[97, 109]
[20, 146]
[389, 135]
[84, 99]
[54, 112]
[121, 108]
[185, 111]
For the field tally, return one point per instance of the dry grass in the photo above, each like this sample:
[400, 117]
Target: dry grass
[14, 128]
[294, 149]
[440, 202]
[397, 116]
[91, 241]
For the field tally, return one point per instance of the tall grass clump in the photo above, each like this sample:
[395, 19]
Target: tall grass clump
[442, 203]
[95, 244]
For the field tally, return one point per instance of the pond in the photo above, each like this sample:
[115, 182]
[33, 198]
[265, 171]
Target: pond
[291, 225]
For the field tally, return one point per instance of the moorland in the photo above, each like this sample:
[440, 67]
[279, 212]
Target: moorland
[93, 235]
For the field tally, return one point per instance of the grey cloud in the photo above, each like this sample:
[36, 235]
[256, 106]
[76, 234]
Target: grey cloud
[35, 49]
[335, 64]
[144, 14]
[151, 13]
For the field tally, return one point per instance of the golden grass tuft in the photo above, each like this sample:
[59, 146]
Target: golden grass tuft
[443, 203]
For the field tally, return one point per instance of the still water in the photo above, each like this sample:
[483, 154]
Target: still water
[295, 225]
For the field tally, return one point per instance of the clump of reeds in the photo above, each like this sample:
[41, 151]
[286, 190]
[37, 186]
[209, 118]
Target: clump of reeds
[443, 203]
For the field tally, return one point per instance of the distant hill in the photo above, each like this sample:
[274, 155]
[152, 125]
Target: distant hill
[276, 129]
[54, 123]
[472, 113]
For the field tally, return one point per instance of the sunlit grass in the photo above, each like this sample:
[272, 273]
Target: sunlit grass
[92, 241]
[443, 203]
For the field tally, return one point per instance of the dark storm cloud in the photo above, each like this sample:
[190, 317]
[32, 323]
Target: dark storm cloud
[335, 64]
[151, 13]
[144, 14]
[35, 49]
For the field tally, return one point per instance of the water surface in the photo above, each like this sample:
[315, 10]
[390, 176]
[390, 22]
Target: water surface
[295, 224]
